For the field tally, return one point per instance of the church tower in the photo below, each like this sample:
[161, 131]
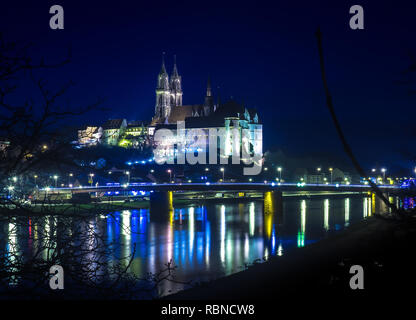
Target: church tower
[163, 97]
[175, 86]
[209, 100]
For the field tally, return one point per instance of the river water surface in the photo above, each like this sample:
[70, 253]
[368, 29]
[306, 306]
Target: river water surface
[209, 241]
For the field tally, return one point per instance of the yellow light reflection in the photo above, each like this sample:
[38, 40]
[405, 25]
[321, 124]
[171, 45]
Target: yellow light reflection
[373, 204]
[268, 213]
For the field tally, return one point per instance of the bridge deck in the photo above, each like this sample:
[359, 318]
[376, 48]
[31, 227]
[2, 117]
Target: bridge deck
[223, 187]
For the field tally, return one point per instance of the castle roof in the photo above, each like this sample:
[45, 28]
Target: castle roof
[113, 124]
[137, 123]
[180, 113]
[194, 117]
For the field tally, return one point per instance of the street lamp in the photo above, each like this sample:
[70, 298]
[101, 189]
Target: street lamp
[373, 170]
[330, 170]
[223, 172]
[55, 177]
[128, 177]
[10, 189]
[280, 173]
[318, 170]
[384, 174]
[91, 178]
[170, 175]
[36, 177]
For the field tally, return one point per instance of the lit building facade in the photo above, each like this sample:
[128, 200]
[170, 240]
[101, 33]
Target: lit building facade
[90, 135]
[113, 129]
[237, 126]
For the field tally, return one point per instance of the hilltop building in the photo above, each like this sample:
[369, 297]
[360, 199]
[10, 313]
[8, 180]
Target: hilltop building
[90, 135]
[207, 115]
[112, 131]
[169, 110]
[136, 135]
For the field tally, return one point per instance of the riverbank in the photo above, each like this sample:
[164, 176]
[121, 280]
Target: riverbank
[383, 247]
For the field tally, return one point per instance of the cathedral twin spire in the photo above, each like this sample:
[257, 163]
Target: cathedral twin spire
[168, 93]
[175, 79]
[175, 85]
[163, 78]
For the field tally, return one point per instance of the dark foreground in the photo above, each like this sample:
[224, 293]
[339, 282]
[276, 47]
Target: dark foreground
[385, 249]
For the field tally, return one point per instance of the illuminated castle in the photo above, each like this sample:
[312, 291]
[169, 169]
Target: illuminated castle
[169, 110]
[227, 118]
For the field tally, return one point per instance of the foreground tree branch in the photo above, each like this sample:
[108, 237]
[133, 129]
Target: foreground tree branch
[344, 142]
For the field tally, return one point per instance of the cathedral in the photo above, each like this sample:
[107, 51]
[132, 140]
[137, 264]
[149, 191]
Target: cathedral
[169, 108]
[224, 117]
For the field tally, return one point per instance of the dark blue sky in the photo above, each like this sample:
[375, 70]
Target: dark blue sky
[262, 53]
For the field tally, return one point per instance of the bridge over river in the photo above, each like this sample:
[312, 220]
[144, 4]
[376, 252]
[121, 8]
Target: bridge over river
[222, 187]
[161, 194]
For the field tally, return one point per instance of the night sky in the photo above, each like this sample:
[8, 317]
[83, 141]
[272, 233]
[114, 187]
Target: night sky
[261, 53]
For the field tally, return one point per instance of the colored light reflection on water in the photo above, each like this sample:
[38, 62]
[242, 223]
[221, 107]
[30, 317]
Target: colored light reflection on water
[212, 240]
